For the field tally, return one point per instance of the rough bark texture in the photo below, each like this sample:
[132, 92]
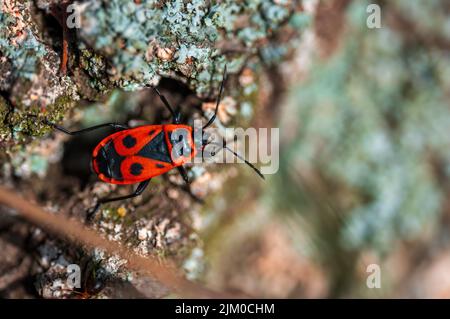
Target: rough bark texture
[98, 72]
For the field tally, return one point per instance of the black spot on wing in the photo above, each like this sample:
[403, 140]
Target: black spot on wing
[160, 165]
[156, 149]
[136, 169]
[129, 141]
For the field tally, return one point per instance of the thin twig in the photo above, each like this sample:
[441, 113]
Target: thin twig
[165, 272]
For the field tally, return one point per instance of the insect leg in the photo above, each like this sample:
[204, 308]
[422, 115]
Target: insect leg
[175, 116]
[88, 129]
[184, 174]
[141, 187]
[187, 187]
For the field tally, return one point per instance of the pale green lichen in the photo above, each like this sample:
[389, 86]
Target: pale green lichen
[130, 45]
[370, 120]
[148, 38]
[18, 43]
[30, 76]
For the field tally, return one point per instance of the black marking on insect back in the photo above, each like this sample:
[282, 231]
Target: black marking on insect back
[160, 165]
[136, 169]
[109, 161]
[151, 132]
[156, 149]
[129, 141]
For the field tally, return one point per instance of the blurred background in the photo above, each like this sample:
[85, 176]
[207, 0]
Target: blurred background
[363, 112]
[364, 173]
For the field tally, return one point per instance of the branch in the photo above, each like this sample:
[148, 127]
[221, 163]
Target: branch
[165, 272]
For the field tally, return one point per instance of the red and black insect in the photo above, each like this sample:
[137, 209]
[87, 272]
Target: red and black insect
[136, 155]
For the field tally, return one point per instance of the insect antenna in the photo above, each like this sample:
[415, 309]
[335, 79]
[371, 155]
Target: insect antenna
[224, 78]
[164, 100]
[224, 145]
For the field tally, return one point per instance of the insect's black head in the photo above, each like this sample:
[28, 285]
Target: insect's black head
[181, 140]
[205, 138]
